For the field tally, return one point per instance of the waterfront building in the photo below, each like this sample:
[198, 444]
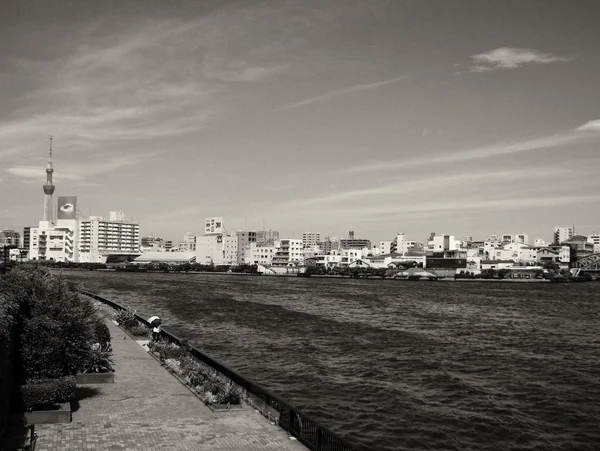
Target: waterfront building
[259, 255]
[329, 244]
[400, 245]
[188, 244]
[209, 250]
[580, 247]
[57, 241]
[230, 250]
[290, 252]
[562, 234]
[10, 238]
[594, 239]
[100, 238]
[333, 260]
[310, 239]
[385, 247]
[354, 243]
[516, 251]
[310, 252]
[554, 254]
[244, 238]
[267, 237]
[169, 246]
[151, 243]
[441, 243]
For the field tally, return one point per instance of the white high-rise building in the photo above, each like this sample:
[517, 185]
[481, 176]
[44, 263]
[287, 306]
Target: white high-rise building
[188, 244]
[595, 240]
[290, 251]
[311, 239]
[99, 238]
[562, 234]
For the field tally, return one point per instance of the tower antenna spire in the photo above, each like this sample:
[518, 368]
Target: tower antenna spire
[48, 187]
[50, 153]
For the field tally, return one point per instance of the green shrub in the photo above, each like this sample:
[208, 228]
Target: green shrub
[231, 395]
[139, 331]
[47, 392]
[56, 324]
[99, 361]
[102, 333]
[8, 311]
[122, 316]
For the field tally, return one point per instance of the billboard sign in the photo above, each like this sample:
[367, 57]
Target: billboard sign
[67, 207]
[213, 226]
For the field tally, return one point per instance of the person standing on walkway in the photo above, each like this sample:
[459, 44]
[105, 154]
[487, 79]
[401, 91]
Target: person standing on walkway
[156, 332]
[155, 324]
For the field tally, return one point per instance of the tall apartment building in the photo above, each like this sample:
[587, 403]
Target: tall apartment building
[595, 240]
[442, 243]
[354, 243]
[10, 238]
[267, 237]
[26, 237]
[289, 251]
[562, 234]
[188, 244]
[244, 238]
[99, 238]
[329, 244]
[311, 239]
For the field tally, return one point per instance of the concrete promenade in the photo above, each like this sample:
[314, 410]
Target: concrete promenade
[148, 409]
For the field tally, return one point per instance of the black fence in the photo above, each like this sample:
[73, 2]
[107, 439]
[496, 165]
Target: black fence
[299, 425]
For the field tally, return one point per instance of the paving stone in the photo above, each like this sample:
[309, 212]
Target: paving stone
[147, 408]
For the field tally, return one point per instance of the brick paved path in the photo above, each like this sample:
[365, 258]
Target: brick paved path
[148, 409]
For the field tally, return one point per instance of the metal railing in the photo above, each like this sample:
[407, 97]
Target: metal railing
[295, 422]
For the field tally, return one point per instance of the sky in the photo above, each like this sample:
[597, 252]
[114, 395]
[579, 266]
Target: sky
[459, 117]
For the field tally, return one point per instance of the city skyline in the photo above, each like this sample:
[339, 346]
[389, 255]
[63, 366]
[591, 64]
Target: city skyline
[378, 117]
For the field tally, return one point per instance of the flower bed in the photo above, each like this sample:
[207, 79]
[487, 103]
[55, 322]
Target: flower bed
[126, 319]
[200, 378]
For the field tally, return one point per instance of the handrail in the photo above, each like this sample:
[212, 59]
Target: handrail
[297, 423]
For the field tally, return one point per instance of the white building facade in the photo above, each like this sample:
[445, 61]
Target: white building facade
[99, 238]
[290, 251]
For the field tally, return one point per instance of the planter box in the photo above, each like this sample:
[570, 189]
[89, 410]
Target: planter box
[94, 378]
[60, 415]
[213, 407]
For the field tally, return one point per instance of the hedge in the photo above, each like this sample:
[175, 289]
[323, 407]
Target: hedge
[8, 310]
[47, 392]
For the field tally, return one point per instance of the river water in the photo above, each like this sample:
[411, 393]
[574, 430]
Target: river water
[398, 365]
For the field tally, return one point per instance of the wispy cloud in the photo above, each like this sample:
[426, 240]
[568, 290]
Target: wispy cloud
[408, 186]
[150, 80]
[72, 171]
[483, 152]
[510, 58]
[593, 126]
[339, 92]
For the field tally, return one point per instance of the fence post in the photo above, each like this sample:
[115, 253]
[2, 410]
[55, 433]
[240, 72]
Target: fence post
[319, 438]
[290, 413]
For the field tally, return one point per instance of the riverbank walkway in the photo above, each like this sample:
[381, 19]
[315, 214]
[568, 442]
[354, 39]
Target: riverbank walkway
[148, 409]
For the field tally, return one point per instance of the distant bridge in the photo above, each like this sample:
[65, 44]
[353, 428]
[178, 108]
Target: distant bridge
[590, 263]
